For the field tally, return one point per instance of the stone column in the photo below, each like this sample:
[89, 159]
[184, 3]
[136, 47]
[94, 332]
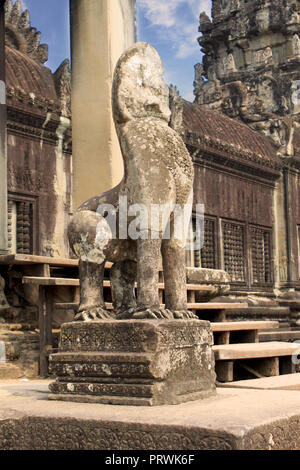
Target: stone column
[286, 236]
[281, 263]
[100, 31]
[291, 205]
[3, 143]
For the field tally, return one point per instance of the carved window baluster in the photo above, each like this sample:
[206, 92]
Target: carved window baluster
[20, 210]
[261, 255]
[24, 227]
[208, 252]
[206, 256]
[234, 249]
[10, 228]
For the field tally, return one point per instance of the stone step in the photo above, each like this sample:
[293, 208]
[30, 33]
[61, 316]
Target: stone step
[240, 332]
[63, 281]
[246, 325]
[11, 327]
[261, 311]
[252, 351]
[10, 371]
[281, 382]
[281, 314]
[244, 361]
[34, 259]
[71, 305]
[292, 304]
[215, 310]
[279, 335]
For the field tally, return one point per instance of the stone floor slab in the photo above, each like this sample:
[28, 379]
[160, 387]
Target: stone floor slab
[281, 382]
[233, 419]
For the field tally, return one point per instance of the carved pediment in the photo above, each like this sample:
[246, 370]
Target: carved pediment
[20, 35]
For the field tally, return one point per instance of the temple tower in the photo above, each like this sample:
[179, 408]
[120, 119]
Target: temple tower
[251, 65]
[251, 73]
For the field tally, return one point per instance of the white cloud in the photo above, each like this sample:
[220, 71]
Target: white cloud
[23, 5]
[172, 25]
[160, 14]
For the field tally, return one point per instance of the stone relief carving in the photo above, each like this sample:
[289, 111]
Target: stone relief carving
[176, 108]
[294, 18]
[296, 45]
[229, 63]
[225, 5]
[62, 80]
[266, 71]
[262, 20]
[204, 22]
[66, 433]
[264, 56]
[4, 305]
[158, 170]
[20, 34]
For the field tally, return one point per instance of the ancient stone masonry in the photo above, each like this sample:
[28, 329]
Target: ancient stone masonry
[251, 65]
[247, 87]
[20, 35]
[143, 353]
[62, 79]
[39, 141]
[134, 362]
[3, 139]
[3, 301]
[36, 90]
[158, 171]
[39, 180]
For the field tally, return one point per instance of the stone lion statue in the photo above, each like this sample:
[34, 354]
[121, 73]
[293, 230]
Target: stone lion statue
[158, 171]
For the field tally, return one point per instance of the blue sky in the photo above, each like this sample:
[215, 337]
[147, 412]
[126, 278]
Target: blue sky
[171, 26]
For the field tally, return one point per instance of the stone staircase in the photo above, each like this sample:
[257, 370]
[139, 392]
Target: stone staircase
[294, 306]
[268, 356]
[280, 382]
[285, 334]
[257, 345]
[245, 349]
[242, 358]
[281, 314]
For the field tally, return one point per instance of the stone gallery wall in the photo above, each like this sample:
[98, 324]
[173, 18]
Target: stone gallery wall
[238, 225]
[242, 132]
[250, 73]
[39, 137]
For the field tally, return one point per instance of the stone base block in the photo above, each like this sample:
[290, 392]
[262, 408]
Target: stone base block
[217, 282]
[10, 371]
[134, 362]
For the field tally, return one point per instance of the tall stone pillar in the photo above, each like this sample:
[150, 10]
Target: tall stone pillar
[100, 31]
[281, 264]
[3, 143]
[285, 230]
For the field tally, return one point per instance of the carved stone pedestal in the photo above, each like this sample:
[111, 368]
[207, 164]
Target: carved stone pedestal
[134, 362]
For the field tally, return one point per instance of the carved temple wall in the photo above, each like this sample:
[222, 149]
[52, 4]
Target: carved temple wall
[39, 165]
[238, 225]
[249, 73]
[249, 187]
